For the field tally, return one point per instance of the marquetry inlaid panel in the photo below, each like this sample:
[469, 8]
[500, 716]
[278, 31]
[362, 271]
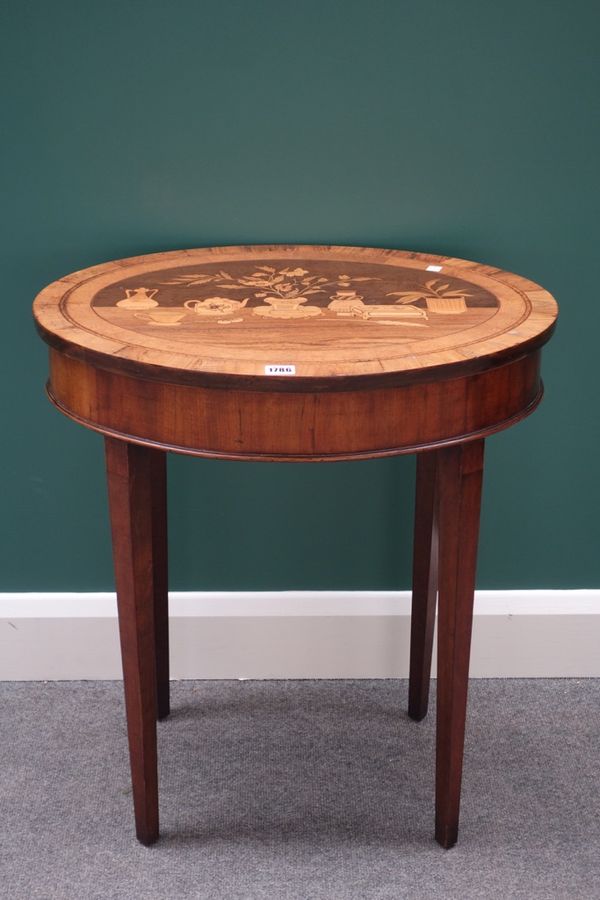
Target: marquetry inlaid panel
[294, 311]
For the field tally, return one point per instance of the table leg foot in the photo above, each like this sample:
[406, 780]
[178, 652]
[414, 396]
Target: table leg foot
[460, 472]
[147, 838]
[446, 835]
[425, 585]
[129, 472]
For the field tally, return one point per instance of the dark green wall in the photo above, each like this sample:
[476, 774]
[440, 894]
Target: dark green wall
[468, 128]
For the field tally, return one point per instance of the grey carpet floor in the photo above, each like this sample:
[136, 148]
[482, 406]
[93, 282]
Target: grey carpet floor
[300, 789]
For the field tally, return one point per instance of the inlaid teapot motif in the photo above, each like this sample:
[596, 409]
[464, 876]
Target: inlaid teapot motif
[215, 306]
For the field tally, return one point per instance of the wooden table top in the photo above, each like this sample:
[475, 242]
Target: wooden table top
[294, 312]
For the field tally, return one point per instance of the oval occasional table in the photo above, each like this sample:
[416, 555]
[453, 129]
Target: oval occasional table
[296, 353]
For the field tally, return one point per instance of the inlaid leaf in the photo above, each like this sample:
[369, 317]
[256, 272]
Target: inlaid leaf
[190, 279]
[254, 282]
[407, 295]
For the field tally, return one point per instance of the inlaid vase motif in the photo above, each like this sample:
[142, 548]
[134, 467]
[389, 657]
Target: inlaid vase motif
[138, 298]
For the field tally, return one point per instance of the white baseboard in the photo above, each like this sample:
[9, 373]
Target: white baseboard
[298, 634]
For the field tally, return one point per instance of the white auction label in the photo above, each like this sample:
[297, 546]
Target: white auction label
[280, 370]
[433, 269]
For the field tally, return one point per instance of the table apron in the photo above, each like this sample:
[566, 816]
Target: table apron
[290, 426]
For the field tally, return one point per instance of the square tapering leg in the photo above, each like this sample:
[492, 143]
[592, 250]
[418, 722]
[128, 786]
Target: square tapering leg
[129, 472]
[424, 586]
[460, 472]
[161, 579]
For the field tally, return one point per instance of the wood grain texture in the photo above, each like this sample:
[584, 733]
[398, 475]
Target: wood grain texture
[459, 481]
[221, 315]
[129, 475]
[302, 425]
[158, 481]
[424, 585]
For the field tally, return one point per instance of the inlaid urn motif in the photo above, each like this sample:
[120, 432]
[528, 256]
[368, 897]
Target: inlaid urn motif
[138, 298]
